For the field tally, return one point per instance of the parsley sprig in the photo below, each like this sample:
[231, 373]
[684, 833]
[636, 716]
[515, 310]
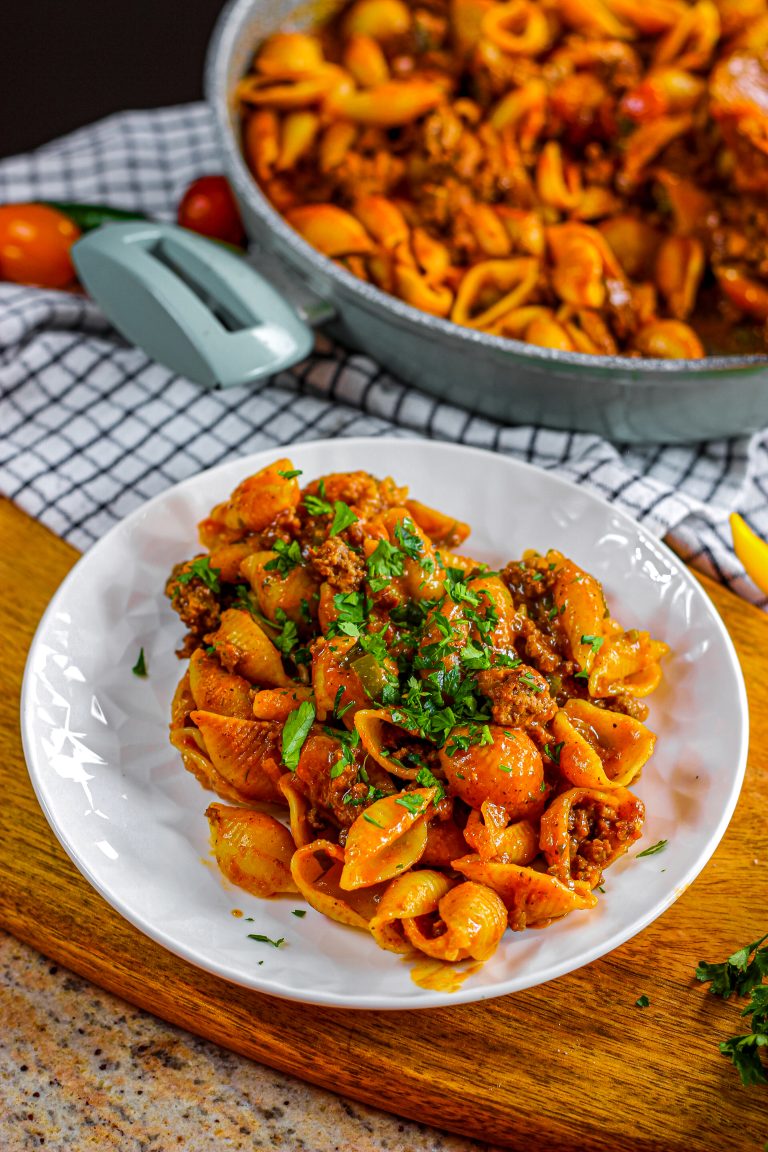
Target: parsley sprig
[741, 976]
[295, 731]
[200, 569]
[288, 557]
[343, 517]
[738, 975]
[384, 564]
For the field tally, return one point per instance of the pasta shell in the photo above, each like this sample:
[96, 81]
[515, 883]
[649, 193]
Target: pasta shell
[601, 749]
[183, 703]
[496, 598]
[414, 894]
[530, 897]
[331, 671]
[252, 849]
[247, 650]
[227, 558]
[216, 690]
[389, 837]
[489, 834]
[441, 529]
[423, 577]
[245, 752]
[471, 919]
[189, 743]
[316, 869]
[278, 703]
[380, 735]
[584, 830]
[298, 809]
[256, 501]
[628, 664]
[275, 593]
[582, 610]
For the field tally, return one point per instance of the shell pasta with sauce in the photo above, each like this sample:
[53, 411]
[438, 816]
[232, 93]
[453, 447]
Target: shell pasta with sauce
[423, 748]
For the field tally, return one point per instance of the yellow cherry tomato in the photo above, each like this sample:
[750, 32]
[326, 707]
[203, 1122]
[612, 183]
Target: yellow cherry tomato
[752, 551]
[34, 245]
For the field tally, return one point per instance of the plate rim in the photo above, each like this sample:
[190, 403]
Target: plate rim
[370, 1002]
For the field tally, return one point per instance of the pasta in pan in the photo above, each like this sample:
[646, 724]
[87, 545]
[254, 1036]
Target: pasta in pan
[451, 747]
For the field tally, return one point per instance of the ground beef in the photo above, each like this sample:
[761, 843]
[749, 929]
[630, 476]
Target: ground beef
[598, 836]
[519, 696]
[529, 583]
[628, 705]
[335, 562]
[541, 649]
[196, 605]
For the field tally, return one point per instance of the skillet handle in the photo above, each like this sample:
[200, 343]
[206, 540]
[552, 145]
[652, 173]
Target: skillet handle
[190, 303]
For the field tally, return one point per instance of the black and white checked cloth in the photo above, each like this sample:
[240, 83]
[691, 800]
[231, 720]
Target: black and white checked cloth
[91, 428]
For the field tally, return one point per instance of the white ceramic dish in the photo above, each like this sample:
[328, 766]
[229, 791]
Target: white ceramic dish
[131, 818]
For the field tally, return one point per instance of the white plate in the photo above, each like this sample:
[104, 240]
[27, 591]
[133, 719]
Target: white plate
[131, 818]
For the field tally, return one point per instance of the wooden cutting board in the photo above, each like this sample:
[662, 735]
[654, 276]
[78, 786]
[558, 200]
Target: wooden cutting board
[570, 1065]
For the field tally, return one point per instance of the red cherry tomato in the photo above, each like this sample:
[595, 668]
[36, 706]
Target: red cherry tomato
[208, 207]
[34, 245]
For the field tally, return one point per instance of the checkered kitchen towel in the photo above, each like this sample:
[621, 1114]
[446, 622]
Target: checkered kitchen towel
[90, 428]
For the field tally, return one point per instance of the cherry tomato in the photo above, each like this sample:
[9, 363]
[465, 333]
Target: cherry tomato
[208, 207]
[34, 245]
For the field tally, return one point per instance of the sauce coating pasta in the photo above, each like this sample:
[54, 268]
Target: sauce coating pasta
[584, 175]
[452, 748]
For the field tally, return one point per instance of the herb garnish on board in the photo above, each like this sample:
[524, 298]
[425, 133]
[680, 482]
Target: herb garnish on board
[741, 976]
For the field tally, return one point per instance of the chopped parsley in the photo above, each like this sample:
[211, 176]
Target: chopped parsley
[288, 637]
[140, 667]
[460, 593]
[384, 564]
[552, 751]
[348, 741]
[642, 1001]
[300, 912]
[737, 976]
[244, 600]
[502, 660]
[414, 804]
[408, 539]
[352, 610]
[295, 731]
[427, 779]
[595, 642]
[370, 819]
[290, 474]
[659, 846]
[374, 643]
[475, 658]
[266, 939]
[343, 516]
[740, 976]
[200, 569]
[318, 505]
[340, 710]
[528, 679]
[288, 557]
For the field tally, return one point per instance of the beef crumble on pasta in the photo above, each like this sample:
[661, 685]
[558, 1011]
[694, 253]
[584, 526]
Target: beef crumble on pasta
[453, 747]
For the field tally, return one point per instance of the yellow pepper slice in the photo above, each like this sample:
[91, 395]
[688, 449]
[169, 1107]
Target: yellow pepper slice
[751, 550]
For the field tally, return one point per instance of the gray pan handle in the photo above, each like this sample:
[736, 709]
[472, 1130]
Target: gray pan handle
[192, 304]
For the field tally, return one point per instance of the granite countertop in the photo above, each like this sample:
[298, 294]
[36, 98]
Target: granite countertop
[83, 1071]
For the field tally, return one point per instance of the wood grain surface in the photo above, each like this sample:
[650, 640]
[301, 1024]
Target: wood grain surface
[570, 1065]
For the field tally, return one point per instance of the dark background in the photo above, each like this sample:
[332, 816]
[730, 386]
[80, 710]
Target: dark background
[65, 63]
